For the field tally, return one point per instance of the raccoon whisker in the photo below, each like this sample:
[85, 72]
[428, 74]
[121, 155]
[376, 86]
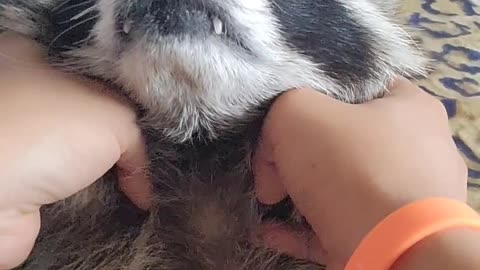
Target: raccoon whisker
[81, 41]
[69, 29]
[245, 8]
[60, 5]
[74, 6]
[83, 13]
[274, 2]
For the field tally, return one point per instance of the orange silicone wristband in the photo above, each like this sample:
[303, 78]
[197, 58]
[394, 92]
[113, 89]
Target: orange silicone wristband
[407, 226]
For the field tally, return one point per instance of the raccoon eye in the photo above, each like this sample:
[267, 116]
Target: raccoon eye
[127, 26]
[218, 26]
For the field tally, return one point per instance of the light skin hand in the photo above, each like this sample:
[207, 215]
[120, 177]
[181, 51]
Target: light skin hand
[59, 135]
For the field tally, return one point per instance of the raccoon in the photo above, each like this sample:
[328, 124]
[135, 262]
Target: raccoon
[202, 74]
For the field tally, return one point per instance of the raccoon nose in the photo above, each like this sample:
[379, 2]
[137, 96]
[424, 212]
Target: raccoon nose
[173, 18]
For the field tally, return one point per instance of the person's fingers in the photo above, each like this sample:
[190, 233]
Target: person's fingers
[284, 134]
[293, 110]
[403, 88]
[305, 100]
[268, 187]
[133, 179]
[17, 237]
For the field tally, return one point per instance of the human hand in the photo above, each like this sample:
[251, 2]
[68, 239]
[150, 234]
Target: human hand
[58, 135]
[348, 166]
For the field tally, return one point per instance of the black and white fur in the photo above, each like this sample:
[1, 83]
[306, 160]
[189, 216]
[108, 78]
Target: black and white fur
[203, 73]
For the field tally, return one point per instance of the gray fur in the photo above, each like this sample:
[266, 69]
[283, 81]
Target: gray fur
[201, 100]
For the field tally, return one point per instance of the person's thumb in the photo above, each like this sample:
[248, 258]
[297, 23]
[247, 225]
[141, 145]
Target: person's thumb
[133, 178]
[268, 187]
[18, 233]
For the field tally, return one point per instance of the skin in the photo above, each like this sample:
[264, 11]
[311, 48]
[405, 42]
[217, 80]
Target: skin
[359, 166]
[52, 122]
[59, 134]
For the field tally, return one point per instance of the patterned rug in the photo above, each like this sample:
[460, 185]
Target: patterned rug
[449, 30]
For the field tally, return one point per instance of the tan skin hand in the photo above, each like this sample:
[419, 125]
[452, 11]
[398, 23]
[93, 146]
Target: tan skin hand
[348, 166]
[58, 135]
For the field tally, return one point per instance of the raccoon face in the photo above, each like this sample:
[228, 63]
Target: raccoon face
[203, 66]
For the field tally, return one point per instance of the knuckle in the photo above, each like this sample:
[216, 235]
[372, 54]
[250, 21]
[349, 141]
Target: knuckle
[436, 106]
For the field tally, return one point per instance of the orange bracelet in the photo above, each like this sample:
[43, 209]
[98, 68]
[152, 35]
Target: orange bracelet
[407, 226]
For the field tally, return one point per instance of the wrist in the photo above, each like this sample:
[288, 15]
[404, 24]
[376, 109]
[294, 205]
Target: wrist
[452, 249]
[407, 227]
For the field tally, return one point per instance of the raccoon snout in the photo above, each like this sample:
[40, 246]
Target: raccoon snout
[172, 18]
